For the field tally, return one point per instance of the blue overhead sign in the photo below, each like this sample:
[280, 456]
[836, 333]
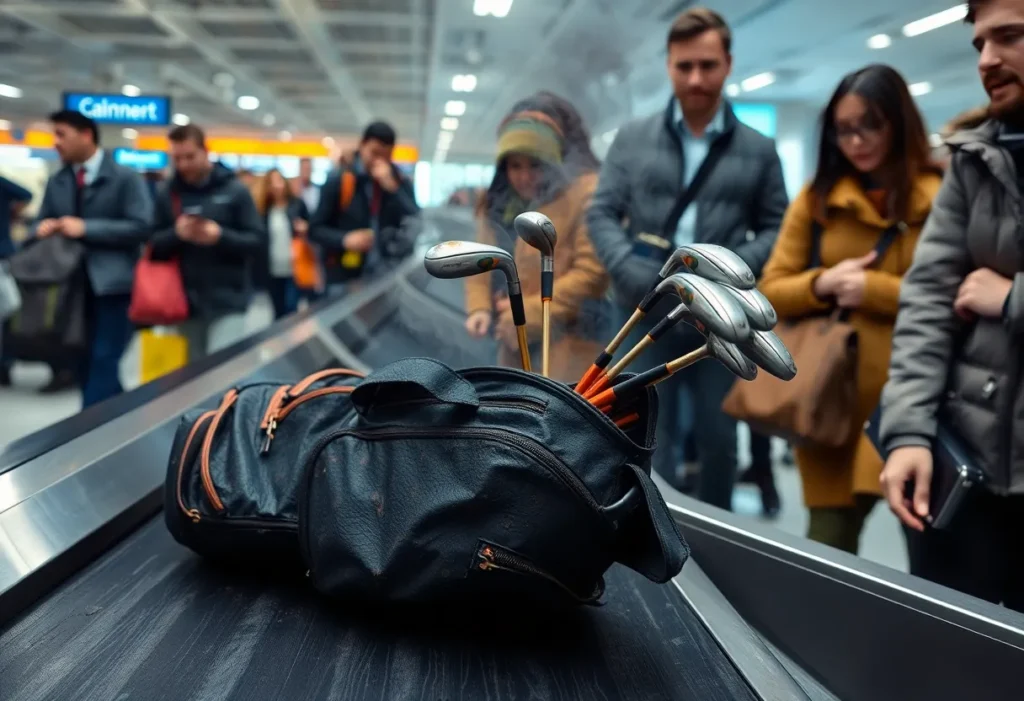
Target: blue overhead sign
[144, 111]
[141, 160]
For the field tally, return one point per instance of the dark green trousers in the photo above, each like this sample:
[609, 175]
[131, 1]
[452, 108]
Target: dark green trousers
[840, 526]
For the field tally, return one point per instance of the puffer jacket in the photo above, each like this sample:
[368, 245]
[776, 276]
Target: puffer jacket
[967, 375]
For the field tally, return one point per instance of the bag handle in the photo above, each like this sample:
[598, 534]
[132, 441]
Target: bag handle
[410, 379]
[653, 545]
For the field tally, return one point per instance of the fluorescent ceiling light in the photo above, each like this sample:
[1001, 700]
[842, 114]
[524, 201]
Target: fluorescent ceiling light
[880, 41]
[732, 90]
[130, 90]
[495, 8]
[5, 125]
[939, 19]
[180, 119]
[129, 134]
[756, 82]
[327, 141]
[455, 108]
[444, 139]
[450, 123]
[248, 102]
[464, 83]
[9, 91]
[922, 88]
[223, 80]
[269, 120]
[285, 136]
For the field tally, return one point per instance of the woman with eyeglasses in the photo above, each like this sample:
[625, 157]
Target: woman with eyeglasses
[874, 173]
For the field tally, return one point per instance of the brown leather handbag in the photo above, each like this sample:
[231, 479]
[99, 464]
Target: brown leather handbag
[816, 406]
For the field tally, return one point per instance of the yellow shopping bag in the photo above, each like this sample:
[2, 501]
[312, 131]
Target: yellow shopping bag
[162, 351]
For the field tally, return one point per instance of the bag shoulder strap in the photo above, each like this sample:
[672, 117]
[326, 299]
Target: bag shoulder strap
[346, 189]
[885, 241]
[175, 202]
[690, 192]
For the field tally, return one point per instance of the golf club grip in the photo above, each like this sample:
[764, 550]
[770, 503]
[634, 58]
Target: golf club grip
[593, 372]
[627, 420]
[624, 389]
[547, 284]
[518, 311]
[649, 300]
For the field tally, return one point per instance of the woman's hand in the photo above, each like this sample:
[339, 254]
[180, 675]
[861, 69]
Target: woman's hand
[845, 279]
[478, 324]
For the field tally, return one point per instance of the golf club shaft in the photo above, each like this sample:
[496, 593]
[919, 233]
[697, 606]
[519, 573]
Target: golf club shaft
[646, 379]
[547, 291]
[602, 383]
[515, 300]
[606, 356]
[546, 338]
[627, 420]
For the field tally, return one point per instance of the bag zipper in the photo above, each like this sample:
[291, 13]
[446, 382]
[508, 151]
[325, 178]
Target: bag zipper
[302, 385]
[535, 450]
[279, 410]
[192, 514]
[493, 557]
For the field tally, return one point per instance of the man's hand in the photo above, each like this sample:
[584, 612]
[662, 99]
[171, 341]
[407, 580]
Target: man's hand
[384, 174]
[186, 227]
[47, 227]
[844, 275]
[207, 233]
[505, 331]
[300, 227]
[478, 323]
[906, 464]
[72, 227]
[360, 240]
[982, 293]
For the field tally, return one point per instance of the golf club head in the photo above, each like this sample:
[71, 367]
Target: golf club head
[710, 305]
[760, 312]
[537, 230]
[770, 353]
[457, 259]
[730, 355]
[711, 262]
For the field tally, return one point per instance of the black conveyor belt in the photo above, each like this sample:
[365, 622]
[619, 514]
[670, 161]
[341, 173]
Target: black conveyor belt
[151, 621]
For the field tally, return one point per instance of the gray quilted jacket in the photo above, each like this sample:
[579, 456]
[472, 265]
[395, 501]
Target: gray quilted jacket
[967, 375]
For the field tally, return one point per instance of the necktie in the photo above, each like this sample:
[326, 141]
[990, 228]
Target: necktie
[80, 182]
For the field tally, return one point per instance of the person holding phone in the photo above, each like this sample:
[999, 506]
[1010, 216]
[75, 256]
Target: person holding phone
[206, 218]
[957, 362]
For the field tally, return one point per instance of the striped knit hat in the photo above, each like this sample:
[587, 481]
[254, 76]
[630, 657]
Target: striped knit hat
[533, 134]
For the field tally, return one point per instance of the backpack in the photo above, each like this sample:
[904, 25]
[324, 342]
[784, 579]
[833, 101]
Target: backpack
[50, 326]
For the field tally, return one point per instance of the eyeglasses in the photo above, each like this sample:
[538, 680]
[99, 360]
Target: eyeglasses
[866, 131]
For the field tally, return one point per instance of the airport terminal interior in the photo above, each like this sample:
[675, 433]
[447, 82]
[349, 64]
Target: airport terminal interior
[410, 123]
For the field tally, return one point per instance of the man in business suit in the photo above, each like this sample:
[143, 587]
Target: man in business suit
[108, 208]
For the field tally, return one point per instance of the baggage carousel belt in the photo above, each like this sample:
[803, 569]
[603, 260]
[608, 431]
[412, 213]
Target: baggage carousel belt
[150, 620]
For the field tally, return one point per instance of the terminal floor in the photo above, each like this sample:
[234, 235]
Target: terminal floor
[25, 411]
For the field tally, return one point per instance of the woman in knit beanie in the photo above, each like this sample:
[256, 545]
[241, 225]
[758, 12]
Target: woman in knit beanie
[545, 164]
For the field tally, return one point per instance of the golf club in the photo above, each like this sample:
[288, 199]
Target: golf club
[724, 352]
[767, 350]
[707, 260]
[680, 313]
[760, 312]
[538, 232]
[711, 262]
[458, 259]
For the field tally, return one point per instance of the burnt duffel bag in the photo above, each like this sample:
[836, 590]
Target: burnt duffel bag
[487, 483]
[234, 471]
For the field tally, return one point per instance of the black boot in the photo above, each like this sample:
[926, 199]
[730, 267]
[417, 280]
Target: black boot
[63, 380]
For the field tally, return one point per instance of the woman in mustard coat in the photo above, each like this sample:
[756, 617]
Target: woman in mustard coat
[874, 171]
[544, 164]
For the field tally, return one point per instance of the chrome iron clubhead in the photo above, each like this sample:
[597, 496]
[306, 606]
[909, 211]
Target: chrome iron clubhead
[770, 353]
[458, 259]
[730, 355]
[710, 305]
[760, 312]
[537, 230]
[711, 262]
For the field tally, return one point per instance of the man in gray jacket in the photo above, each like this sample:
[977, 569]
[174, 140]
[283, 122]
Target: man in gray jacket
[957, 347]
[108, 208]
[740, 205]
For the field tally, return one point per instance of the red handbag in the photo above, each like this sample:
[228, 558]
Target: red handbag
[158, 292]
